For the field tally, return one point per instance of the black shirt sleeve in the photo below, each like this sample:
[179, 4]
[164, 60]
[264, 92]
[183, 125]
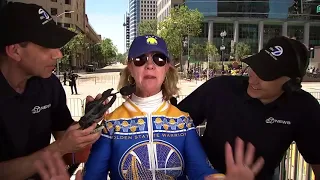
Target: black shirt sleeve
[197, 103]
[308, 131]
[61, 117]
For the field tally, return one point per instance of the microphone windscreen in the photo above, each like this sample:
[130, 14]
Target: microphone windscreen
[127, 90]
[174, 101]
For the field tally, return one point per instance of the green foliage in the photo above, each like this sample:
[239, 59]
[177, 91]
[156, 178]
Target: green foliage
[108, 50]
[241, 50]
[75, 45]
[181, 22]
[211, 50]
[122, 58]
[197, 51]
[148, 27]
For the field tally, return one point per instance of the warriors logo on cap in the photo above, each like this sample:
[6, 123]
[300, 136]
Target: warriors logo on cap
[152, 40]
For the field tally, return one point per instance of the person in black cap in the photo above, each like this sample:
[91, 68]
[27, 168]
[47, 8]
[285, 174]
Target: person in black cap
[32, 99]
[268, 108]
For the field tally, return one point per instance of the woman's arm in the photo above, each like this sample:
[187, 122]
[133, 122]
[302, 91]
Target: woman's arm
[96, 168]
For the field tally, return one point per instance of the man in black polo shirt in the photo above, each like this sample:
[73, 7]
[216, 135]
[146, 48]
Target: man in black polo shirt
[32, 100]
[268, 108]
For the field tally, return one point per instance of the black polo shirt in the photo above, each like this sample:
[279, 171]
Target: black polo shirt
[230, 112]
[27, 119]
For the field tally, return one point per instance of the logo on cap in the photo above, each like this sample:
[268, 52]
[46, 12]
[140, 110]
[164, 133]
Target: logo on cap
[152, 40]
[276, 51]
[44, 16]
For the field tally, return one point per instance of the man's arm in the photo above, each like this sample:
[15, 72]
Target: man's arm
[21, 168]
[60, 115]
[196, 103]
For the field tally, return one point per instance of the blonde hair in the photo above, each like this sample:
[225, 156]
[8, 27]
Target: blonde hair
[169, 87]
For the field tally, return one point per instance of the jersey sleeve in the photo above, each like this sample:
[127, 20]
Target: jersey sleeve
[307, 132]
[97, 166]
[197, 163]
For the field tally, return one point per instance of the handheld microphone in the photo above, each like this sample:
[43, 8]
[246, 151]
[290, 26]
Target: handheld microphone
[95, 109]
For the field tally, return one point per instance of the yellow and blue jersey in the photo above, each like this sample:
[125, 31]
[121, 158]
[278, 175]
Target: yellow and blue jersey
[136, 145]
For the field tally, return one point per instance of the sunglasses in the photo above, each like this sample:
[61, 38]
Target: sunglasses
[157, 58]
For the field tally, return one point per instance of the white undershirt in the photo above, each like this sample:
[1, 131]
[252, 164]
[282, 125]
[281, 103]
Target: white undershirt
[148, 104]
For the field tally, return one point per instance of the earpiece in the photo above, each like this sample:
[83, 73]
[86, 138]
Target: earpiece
[294, 84]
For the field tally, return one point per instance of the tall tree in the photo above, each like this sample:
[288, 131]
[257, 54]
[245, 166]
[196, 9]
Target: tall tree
[241, 50]
[181, 22]
[109, 50]
[122, 58]
[74, 46]
[148, 27]
[211, 50]
[197, 51]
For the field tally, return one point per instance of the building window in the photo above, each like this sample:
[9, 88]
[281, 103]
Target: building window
[314, 36]
[248, 33]
[67, 15]
[54, 11]
[67, 2]
[53, 0]
[271, 31]
[296, 32]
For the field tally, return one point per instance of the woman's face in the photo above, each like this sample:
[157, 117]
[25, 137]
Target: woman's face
[149, 72]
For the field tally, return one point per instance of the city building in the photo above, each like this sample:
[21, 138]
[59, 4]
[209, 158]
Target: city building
[164, 7]
[93, 39]
[140, 10]
[255, 22]
[70, 14]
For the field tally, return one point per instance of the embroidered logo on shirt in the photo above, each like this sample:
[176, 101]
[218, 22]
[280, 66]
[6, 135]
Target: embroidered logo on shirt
[272, 120]
[38, 109]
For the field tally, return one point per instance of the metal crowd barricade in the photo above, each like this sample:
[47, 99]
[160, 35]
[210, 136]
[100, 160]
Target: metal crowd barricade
[76, 107]
[292, 167]
[316, 95]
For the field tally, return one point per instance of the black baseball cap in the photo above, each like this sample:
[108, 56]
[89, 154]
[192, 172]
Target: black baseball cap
[281, 56]
[22, 22]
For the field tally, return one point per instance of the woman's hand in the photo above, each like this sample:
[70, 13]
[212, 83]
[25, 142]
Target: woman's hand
[52, 167]
[241, 166]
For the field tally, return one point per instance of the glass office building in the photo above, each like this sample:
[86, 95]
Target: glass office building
[255, 22]
[134, 13]
[140, 10]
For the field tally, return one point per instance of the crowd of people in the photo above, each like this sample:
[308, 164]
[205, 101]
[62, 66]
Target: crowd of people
[251, 120]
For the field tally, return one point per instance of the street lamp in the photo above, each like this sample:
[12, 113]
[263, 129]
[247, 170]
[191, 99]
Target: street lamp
[222, 47]
[66, 12]
[186, 44]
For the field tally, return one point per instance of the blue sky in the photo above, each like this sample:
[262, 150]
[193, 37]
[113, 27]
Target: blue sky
[107, 17]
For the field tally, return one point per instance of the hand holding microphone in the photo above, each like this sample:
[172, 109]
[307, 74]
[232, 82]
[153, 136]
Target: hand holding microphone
[96, 109]
[80, 136]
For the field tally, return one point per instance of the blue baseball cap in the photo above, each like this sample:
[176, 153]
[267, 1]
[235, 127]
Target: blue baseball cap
[146, 44]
